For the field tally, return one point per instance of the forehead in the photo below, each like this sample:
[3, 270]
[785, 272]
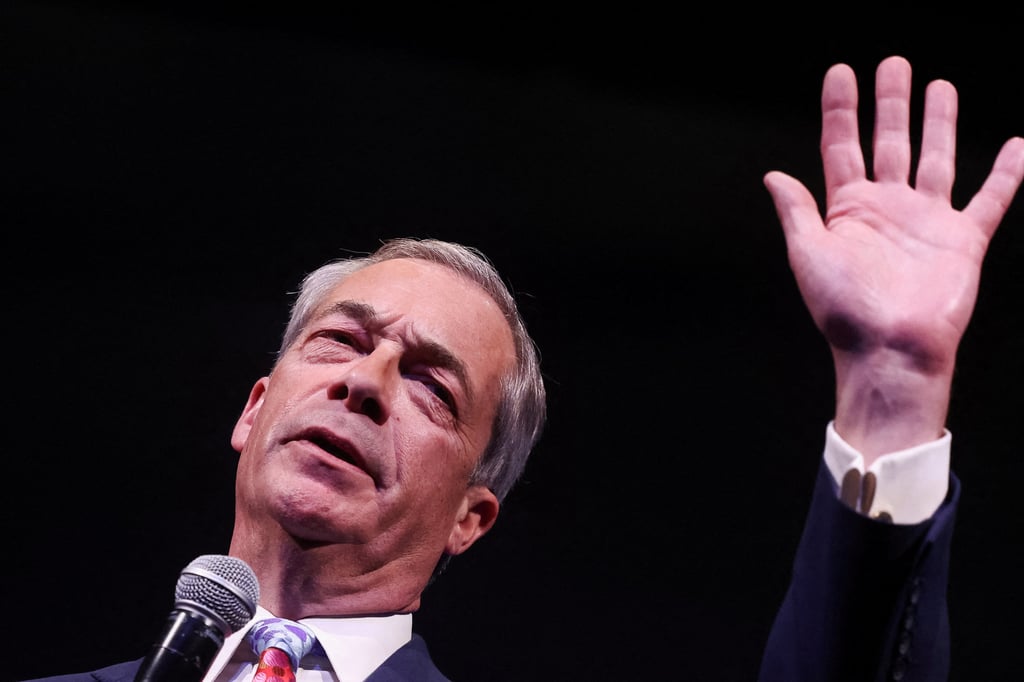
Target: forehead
[417, 299]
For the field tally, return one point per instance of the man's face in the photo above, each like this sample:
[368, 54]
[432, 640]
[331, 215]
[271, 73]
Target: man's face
[368, 428]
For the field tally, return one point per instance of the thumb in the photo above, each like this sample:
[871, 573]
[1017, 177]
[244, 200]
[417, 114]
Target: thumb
[794, 204]
[990, 204]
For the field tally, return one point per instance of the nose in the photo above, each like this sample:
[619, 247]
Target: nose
[367, 385]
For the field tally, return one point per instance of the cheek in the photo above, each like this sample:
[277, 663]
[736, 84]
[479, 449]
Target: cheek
[441, 461]
[436, 474]
[272, 416]
[257, 449]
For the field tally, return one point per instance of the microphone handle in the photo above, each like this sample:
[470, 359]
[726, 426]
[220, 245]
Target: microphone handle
[185, 651]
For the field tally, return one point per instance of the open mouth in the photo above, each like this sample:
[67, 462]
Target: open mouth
[335, 446]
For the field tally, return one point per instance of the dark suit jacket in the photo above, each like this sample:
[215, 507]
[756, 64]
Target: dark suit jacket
[411, 663]
[867, 599]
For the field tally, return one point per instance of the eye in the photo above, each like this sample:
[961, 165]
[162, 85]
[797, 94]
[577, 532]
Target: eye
[436, 388]
[443, 394]
[344, 340]
[333, 345]
[340, 337]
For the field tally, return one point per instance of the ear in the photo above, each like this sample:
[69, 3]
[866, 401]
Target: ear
[477, 514]
[252, 407]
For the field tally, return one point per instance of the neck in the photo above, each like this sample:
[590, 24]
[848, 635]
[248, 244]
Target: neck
[298, 579]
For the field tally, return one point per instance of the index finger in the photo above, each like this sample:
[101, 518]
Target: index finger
[841, 154]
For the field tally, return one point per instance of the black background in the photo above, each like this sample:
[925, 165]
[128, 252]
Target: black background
[170, 172]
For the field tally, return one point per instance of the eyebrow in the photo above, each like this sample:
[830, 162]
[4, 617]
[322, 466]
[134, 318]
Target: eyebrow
[432, 352]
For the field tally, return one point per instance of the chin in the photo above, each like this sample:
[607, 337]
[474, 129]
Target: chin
[316, 524]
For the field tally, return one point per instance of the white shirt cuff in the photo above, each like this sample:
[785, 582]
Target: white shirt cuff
[911, 483]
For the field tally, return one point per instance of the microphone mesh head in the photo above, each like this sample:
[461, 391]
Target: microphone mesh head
[221, 584]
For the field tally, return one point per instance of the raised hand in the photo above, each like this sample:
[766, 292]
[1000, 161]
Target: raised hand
[890, 275]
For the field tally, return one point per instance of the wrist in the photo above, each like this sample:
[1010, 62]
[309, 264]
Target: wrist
[886, 402]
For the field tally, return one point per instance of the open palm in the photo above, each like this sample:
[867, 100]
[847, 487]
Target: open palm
[892, 265]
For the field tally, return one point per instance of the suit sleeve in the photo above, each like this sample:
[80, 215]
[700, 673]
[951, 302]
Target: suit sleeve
[866, 600]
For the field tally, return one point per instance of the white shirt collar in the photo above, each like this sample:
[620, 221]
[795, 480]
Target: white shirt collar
[355, 646]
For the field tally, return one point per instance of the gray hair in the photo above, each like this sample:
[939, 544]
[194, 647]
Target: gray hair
[522, 403]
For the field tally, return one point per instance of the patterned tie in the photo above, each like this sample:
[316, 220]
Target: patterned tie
[280, 644]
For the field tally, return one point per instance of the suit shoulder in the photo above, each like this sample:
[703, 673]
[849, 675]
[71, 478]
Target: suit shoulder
[119, 672]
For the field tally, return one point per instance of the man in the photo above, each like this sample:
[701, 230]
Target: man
[407, 396]
[400, 411]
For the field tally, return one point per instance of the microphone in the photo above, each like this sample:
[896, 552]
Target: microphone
[215, 595]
